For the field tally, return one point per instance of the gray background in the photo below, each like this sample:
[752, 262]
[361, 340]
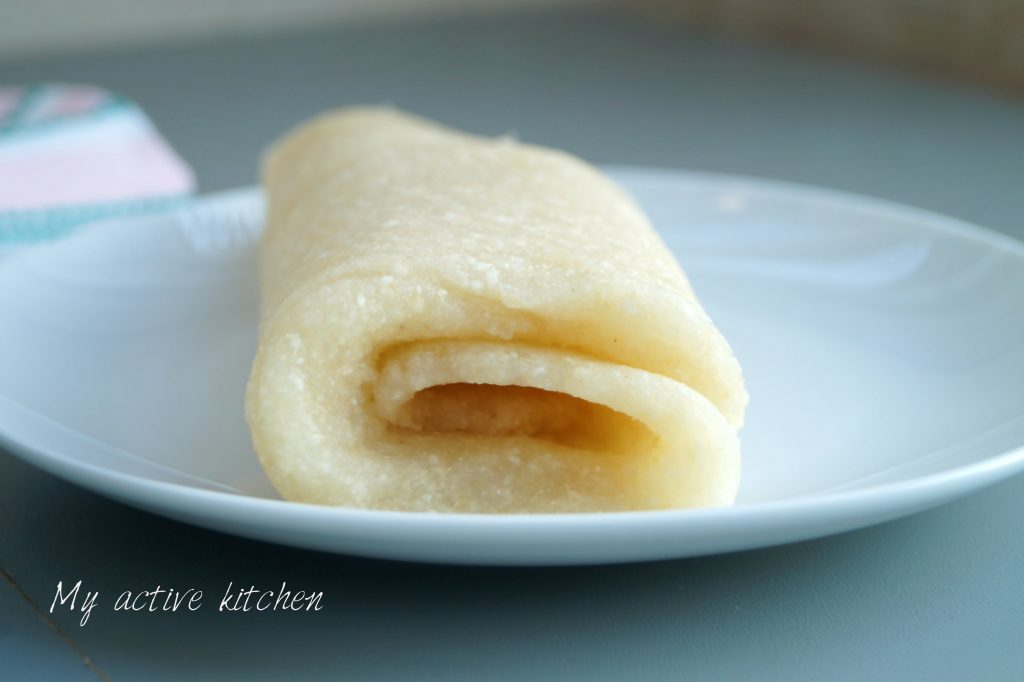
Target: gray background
[936, 596]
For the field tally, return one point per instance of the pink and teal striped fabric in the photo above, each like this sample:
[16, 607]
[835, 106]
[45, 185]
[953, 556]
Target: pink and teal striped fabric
[70, 154]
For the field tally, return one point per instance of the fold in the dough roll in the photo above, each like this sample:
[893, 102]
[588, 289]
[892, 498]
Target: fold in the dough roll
[461, 324]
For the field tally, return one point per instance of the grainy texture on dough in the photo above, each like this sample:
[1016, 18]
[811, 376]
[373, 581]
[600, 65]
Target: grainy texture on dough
[461, 324]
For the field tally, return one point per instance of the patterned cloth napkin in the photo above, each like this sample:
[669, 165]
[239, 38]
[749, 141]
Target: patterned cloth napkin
[70, 154]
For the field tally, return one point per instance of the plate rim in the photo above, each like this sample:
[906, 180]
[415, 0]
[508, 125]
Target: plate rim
[828, 196]
[989, 469]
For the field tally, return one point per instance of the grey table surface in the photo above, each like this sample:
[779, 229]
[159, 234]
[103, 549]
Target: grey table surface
[939, 595]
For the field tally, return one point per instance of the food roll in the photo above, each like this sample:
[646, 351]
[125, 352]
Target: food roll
[453, 323]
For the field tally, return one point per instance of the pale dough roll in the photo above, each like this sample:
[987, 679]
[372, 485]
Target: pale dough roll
[453, 323]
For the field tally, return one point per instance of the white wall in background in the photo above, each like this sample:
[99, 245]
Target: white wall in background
[39, 26]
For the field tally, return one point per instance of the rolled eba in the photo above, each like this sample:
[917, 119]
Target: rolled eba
[452, 323]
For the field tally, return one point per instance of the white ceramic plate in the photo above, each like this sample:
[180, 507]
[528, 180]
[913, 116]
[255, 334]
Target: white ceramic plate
[883, 349]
